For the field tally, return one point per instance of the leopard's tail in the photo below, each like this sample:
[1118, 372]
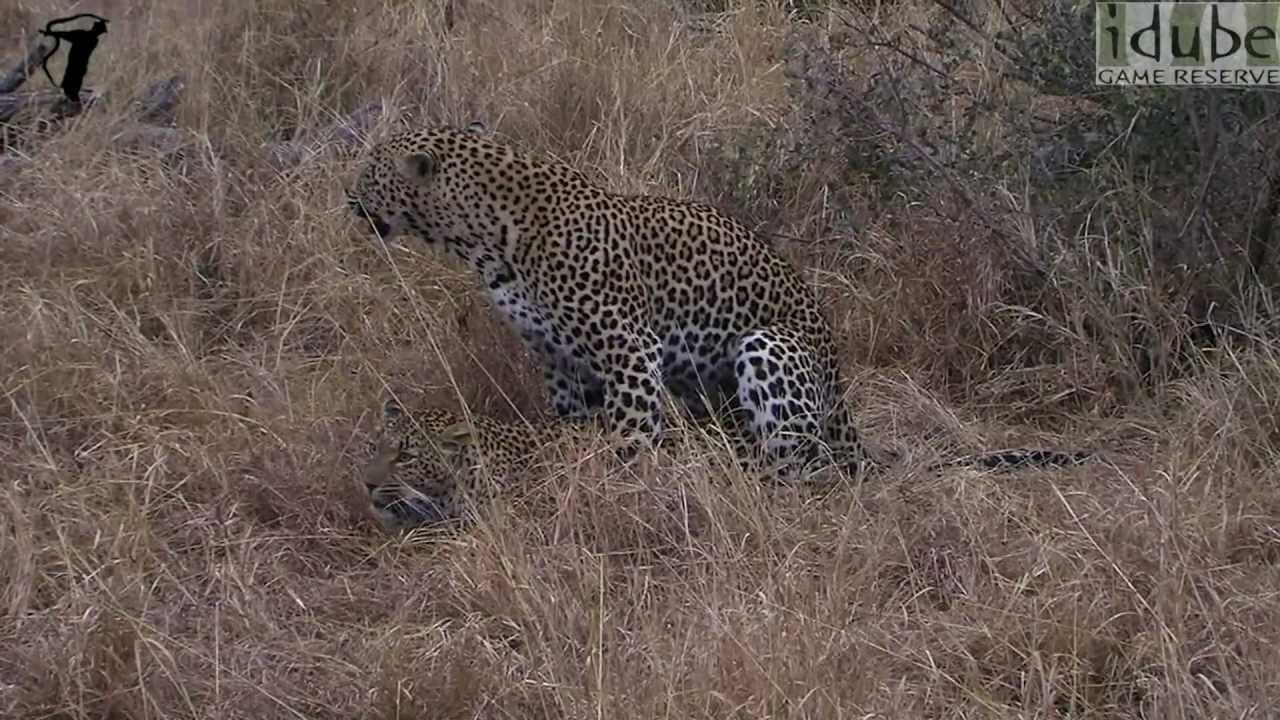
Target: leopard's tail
[1012, 459]
[854, 454]
[1016, 458]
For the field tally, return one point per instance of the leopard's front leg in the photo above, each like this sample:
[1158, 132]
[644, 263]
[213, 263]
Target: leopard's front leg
[576, 393]
[631, 366]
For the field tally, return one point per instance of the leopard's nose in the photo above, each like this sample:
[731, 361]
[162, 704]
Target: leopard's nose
[379, 225]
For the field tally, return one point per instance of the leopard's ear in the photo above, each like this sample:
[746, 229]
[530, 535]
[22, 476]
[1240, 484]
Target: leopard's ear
[419, 167]
[391, 410]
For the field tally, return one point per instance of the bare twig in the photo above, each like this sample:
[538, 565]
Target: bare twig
[1260, 235]
[995, 42]
[910, 56]
[904, 136]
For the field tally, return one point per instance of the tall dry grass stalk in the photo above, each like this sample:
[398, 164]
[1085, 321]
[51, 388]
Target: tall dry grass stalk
[191, 351]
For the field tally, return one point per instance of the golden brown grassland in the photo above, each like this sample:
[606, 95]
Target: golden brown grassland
[192, 355]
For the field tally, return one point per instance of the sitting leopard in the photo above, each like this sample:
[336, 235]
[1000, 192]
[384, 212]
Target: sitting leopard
[433, 467]
[622, 295]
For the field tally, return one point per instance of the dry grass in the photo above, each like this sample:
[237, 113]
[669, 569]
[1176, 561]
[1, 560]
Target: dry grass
[190, 358]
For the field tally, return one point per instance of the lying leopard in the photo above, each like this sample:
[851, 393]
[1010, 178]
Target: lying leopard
[435, 467]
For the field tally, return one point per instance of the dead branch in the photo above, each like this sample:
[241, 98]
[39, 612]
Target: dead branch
[19, 74]
[355, 127]
[159, 104]
[156, 131]
[45, 101]
[342, 135]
